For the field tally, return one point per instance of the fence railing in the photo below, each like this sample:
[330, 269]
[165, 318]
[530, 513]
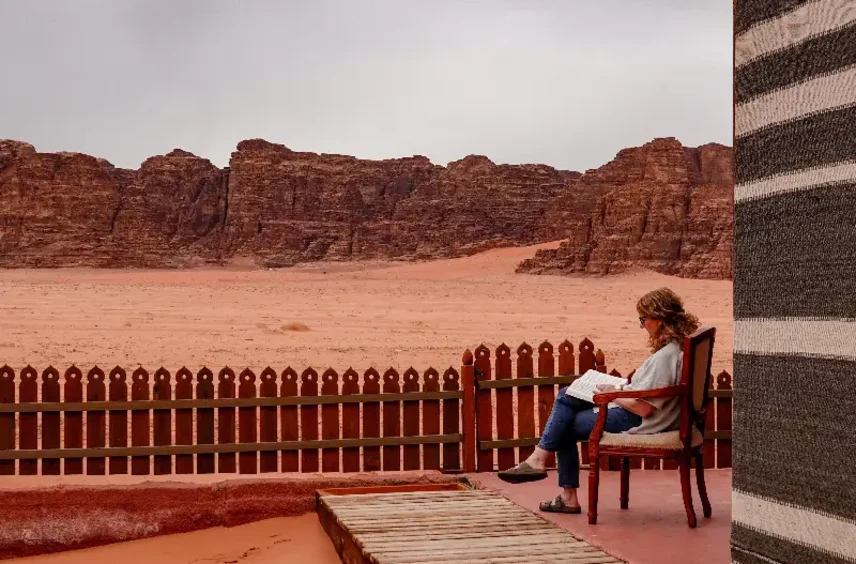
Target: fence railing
[483, 418]
[278, 422]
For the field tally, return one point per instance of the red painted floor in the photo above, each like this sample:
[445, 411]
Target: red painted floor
[654, 529]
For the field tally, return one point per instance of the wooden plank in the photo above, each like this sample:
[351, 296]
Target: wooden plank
[288, 420]
[28, 423]
[77, 406]
[269, 460]
[348, 493]
[586, 362]
[7, 419]
[248, 461]
[162, 424]
[309, 421]
[484, 408]
[504, 408]
[184, 420]
[709, 447]
[451, 421]
[96, 422]
[391, 421]
[410, 419]
[351, 421]
[431, 420]
[117, 390]
[51, 422]
[330, 421]
[205, 463]
[525, 400]
[226, 421]
[724, 414]
[371, 420]
[546, 394]
[140, 428]
[73, 424]
[228, 448]
[523, 382]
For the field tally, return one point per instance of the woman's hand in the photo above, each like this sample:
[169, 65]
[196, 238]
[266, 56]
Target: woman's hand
[606, 388]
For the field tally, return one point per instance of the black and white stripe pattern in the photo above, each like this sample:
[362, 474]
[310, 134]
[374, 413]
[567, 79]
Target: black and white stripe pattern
[794, 498]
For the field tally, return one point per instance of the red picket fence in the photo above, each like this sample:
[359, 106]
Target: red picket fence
[507, 403]
[273, 423]
[486, 417]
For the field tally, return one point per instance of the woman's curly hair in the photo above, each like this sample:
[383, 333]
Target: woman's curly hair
[665, 305]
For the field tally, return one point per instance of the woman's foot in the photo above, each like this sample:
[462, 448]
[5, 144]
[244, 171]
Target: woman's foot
[560, 505]
[532, 469]
[523, 472]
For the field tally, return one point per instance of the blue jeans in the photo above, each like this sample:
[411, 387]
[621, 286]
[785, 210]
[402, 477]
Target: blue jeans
[572, 420]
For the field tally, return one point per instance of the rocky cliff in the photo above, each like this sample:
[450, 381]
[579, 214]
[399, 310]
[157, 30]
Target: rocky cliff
[276, 207]
[271, 207]
[662, 206]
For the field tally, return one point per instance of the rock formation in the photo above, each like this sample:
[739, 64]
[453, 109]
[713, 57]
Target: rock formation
[276, 207]
[662, 207]
[271, 207]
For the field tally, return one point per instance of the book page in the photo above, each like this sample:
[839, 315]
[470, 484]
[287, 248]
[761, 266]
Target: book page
[585, 386]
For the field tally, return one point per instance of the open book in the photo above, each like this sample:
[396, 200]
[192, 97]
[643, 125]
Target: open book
[585, 387]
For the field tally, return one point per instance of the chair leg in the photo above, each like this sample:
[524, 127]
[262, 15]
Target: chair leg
[594, 478]
[702, 489]
[625, 482]
[684, 467]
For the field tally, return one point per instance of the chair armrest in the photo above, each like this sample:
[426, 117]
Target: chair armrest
[671, 391]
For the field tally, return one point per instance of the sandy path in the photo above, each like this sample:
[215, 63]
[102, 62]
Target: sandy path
[355, 314]
[285, 539]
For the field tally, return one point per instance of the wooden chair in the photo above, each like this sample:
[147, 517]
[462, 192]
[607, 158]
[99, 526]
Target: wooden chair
[683, 445]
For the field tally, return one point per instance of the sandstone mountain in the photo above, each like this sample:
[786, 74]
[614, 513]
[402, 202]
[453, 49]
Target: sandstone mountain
[276, 207]
[664, 207]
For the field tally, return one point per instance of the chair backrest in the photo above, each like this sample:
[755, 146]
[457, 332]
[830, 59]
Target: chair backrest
[698, 355]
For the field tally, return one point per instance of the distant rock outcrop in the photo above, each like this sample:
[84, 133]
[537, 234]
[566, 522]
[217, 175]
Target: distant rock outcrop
[276, 207]
[271, 207]
[662, 206]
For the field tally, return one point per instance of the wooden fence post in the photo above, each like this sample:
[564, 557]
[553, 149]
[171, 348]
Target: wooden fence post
[600, 361]
[525, 400]
[724, 414]
[28, 423]
[546, 394]
[484, 409]
[51, 422]
[468, 411]
[7, 420]
[505, 414]
[586, 362]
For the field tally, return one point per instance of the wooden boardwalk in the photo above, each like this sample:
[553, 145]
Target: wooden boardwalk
[445, 524]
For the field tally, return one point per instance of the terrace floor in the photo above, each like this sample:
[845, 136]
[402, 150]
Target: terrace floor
[654, 529]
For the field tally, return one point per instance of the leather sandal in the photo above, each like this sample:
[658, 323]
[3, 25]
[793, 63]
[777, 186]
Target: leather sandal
[558, 506]
[521, 473]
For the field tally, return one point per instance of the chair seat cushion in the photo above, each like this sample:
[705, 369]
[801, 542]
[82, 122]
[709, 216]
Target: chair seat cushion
[669, 440]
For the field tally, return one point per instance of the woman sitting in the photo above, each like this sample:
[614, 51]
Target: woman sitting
[661, 313]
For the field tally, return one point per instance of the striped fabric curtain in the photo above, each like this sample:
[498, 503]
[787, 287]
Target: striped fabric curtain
[794, 479]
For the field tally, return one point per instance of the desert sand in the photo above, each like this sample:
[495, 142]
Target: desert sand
[335, 315]
[284, 539]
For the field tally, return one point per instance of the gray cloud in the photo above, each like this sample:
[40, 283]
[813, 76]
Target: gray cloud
[564, 82]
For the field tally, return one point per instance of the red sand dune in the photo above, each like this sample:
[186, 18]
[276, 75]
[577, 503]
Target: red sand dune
[361, 314]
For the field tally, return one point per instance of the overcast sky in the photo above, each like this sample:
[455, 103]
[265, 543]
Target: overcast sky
[565, 82]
